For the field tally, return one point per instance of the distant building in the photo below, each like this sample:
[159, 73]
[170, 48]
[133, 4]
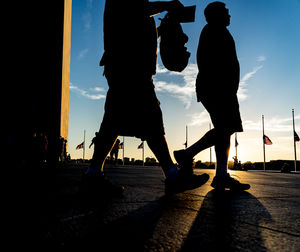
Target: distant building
[126, 160]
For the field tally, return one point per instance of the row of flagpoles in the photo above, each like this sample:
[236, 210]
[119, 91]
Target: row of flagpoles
[141, 146]
[121, 146]
[266, 141]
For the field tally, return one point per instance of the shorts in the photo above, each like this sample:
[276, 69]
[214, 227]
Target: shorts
[133, 110]
[224, 113]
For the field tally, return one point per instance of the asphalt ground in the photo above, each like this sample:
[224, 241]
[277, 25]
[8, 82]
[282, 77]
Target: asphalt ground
[264, 218]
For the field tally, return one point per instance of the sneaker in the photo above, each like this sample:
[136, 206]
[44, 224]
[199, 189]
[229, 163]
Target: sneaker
[185, 182]
[185, 164]
[99, 184]
[227, 182]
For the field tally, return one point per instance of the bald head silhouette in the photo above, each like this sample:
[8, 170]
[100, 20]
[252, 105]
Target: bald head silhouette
[216, 13]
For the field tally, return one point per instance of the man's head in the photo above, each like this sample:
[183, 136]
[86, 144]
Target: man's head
[216, 13]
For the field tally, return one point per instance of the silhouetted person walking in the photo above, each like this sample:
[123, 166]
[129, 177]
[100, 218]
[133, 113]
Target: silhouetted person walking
[216, 87]
[129, 60]
[115, 151]
[93, 140]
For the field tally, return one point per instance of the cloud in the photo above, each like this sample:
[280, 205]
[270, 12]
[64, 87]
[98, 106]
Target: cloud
[87, 15]
[242, 92]
[95, 93]
[83, 53]
[261, 58]
[161, 70]
[273, 124]
[200, 118]
[182, 88]
[87, 20]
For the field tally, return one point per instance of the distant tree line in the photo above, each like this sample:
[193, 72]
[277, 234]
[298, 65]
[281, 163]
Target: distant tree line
[279, 165]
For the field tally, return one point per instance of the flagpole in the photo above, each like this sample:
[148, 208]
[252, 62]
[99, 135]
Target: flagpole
[123, 149]
[186, 135]
[295, 162]
[143, 152]
[264, 142]
[83, 144]
[210, 148]
[235, 143]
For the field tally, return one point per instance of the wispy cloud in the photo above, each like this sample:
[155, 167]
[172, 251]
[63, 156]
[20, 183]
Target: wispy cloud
[82, 53]
[160, 70]
[242, 92]
[87, 15]
[261, 58]
[273, 124]
[87, 20]
[183, 87]
[199, 118]
[95, 93]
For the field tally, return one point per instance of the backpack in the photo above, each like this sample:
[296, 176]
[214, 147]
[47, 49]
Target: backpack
[173, 53]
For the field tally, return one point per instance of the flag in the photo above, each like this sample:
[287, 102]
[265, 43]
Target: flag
[121, 145]
[296, 137]
[185, 144]
[141, 146]
[80, 146]
[267, 140]
[236, 143]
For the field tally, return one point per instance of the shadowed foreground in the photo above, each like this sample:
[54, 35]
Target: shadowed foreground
[265, 218]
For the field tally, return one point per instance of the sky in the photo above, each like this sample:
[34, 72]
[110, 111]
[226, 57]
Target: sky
[267, 38]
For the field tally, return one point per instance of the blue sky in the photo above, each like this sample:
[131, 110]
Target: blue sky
[267, 35]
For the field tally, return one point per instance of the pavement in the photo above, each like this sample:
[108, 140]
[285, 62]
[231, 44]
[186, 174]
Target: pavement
[264, 218]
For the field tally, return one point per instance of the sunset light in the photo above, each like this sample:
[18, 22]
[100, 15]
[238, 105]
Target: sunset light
[268, 52]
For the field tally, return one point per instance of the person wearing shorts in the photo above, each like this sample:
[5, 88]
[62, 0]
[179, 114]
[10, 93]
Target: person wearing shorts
[131, 106]
[216, 88]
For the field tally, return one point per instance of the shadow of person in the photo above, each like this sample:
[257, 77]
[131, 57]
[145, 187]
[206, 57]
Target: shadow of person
[227, 222]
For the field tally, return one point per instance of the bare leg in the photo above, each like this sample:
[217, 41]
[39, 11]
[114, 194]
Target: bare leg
[103, 145]
[220, 140]
[185, 157]
[95, 181]
[174, 182]
[222, 180]
[222, 148]
[208, 140]
[159, 147]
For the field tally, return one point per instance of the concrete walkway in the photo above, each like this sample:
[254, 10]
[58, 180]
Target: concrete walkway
[265, 218]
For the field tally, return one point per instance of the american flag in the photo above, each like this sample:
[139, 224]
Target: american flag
[267, 140]
[296, 137]
[80, 146]
[236, 143]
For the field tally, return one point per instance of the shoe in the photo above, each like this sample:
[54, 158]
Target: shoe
[99, 184]
[227, 182]
[185, 182]
[185, 164]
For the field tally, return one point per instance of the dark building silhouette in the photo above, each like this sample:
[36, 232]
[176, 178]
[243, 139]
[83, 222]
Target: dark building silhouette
[35, 113]
[40, 67]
